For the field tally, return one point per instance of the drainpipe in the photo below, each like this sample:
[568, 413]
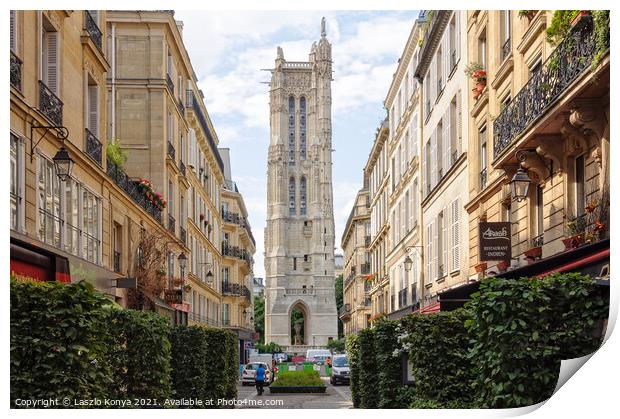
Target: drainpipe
[113, 133]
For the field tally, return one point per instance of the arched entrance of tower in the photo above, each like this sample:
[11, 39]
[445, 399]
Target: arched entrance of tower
[298, 323]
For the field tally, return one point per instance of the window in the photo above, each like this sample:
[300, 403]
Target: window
[14, 31]
[451, 132]
[225, 277]
[170, 197]
[291, 196]
[50, 215]
[439, 141]
[408, 224]
[427, 172]
[49, 56]
[505, 34]
[414, 135]
[439, 70]
[302, 128]
[580, 181]
[302, 197]
[482, 50]
[539, 211]
[90, 226]
[17, 177]
[535, 66]
[118, 246]
[72, 216]
[482, 138]
[226, 314]
[291, 130]
[452, 42]
[456, 241]
[429, 253]
[442, 247]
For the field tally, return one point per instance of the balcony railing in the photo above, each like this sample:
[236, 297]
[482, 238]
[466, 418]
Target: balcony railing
[117, 261]
[345, 310]
[192, 103]
[130, 187]
[171, 150]
[93, 29]
[171, 224]
[367, 241]
[483, 178]
[195, 317]
[180, 106]
[50, 104]
[183, 235]
[505, 50]
[236, 252]
[365, 268]
[566, 63]
[182, 168]
[170, 84]
[236, 290]
[16, 72]
[93, 147]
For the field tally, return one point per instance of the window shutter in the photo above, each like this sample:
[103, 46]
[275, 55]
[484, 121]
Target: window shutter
[446, 140]
[436, 249]
[13, 31]
[51, 79]
[425, 181]
[455, 236]
[429, 253]
[459, 121]
[93, 110]
[433, 161]
[444, 240]
[457, 19]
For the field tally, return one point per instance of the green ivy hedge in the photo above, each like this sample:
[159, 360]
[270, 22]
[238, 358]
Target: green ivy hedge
[58, 342]
[352, 347]
[368, 370]
[139, 354]
[439, 346]
[523, 328]
[389, 363]
[205, 363]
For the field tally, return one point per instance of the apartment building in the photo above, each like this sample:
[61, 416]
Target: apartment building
[355, 312]
[544, 115]
[441, 69]
[238, 247]
[376, 170]
[404, 256]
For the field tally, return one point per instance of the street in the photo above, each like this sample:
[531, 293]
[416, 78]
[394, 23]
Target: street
[335, 397]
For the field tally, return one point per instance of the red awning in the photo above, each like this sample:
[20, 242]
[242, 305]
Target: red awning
[569, 267]
[431, 308]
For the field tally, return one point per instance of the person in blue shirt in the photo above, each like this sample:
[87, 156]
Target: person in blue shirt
[260, 379]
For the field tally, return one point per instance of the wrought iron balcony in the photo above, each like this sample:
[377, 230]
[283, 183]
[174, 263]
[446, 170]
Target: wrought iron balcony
[506, 48]
[180, 106]
[365, 268]
[170, 84]
[345, 311]
[192, 103]
[195, 317]
[93, 147]
[117, 261]
[367, 241]
[171, 224]
[131, 188]
[171, 150]
[93, 29]
[236, 252]
[182, 168]
[183, 235]
[16, 72]
[50, 104]
[567, 62]
[538, 241]
[236, 290]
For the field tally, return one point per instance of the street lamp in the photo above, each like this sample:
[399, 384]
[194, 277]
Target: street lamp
[209, 273]
[408, 262]
[520, 184]
[63, 164]
[182, 261]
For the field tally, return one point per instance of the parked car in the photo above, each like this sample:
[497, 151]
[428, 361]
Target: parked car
[340, 370]
[318, 356]
[249, 373]
[280, 357]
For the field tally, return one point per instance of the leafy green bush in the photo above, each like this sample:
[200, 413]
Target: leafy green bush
[139, 354]
[522, 329]
[368, 370]
[438, 348]
[388, 359]
[298, 378]
[115, 153]
[434, 404]
[336, 345]
[202, 363]
[269, 348]
[58, 341]
[352, 345]
[560, 25]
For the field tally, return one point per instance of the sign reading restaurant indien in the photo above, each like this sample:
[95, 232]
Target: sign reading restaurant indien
[495, 241]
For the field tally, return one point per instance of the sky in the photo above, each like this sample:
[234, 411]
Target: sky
[230, 50]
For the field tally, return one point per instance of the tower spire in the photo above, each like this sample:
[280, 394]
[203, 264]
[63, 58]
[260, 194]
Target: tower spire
[323, 32]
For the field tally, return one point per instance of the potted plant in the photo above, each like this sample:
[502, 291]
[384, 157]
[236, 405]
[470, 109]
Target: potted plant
[529, 14]
[177, 282]
[478, 74]
[533, 253]
[503, 265]
[160, 271]
[187, 287]
[115, 153]
[481, 267]
[575, 229]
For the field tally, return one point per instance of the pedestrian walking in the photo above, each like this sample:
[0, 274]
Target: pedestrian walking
[260, 379]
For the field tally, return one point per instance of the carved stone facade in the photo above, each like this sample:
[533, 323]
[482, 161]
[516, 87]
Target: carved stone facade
[299, 236]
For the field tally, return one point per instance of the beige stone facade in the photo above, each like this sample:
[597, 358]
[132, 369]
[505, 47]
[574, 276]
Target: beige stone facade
[355, 312]
[299, 236]
[563, 144]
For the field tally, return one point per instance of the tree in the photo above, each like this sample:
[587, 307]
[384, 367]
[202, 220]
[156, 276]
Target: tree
[149, 270]
[339, 302]
[259, 318]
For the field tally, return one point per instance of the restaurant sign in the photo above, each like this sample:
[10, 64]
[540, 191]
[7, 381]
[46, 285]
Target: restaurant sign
[494, 241]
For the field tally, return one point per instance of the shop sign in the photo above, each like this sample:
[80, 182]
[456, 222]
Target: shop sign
[494, 241]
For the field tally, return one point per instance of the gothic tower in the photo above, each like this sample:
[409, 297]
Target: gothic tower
[299, 236]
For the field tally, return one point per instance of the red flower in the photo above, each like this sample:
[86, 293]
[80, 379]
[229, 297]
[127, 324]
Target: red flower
[598, 226]
[590, 207]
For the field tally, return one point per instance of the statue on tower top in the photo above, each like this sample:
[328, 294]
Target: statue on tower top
[323, 33]
[280, 53]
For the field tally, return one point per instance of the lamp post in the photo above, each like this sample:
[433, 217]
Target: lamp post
[409, 264]
[182, 263]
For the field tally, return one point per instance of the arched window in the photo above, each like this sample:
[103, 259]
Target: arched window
[291, 130]
[302, 196]
[302, 126]
[291, 196]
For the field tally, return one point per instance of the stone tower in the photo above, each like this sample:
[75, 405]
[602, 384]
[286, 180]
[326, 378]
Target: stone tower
[299, 236]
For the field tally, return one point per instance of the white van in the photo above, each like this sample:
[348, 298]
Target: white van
[318, 355]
